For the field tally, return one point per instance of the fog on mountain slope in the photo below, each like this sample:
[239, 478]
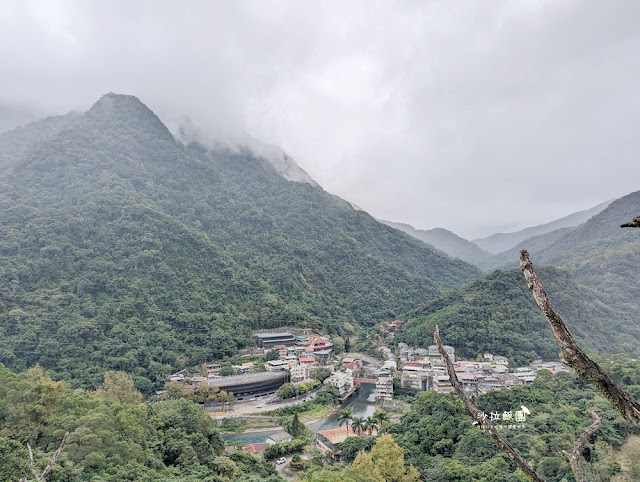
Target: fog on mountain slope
[187, 132]
[499, 242]
[445, 241]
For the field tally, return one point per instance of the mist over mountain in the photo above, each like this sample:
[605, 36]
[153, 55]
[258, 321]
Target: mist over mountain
[594, 282]
[446, 241]
[511, 258]
[241, 142]
[13, 143]
[122, 248]
[499, 242]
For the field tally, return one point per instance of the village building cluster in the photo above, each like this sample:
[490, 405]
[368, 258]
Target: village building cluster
[300, 355]
[424, 369]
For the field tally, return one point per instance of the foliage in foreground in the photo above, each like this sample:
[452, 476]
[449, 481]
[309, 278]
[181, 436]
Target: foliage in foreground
[112, 436]
[385, 463]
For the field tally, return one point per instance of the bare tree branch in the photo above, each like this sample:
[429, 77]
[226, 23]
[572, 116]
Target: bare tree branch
[574, 456]
[33, 471]
[634, 223]
[41, 477]
[572, 354]
[483, 420]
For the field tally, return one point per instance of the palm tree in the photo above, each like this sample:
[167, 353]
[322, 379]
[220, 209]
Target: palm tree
[370, 424]
[380, 417]
[358, 424]
[344, 417]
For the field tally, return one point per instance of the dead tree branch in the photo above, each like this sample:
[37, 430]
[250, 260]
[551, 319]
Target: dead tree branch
[572, 354]
[41, 477]
[479, 416]
[634, 223]
[574, 456]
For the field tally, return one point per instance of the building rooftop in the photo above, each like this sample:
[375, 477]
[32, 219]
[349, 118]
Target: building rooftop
[254, 448]
[280, 437]
[307, 359]
[277, 363]
[245, 378]
[273, 335]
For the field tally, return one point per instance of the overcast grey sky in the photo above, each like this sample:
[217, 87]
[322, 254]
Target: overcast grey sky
[459, 114]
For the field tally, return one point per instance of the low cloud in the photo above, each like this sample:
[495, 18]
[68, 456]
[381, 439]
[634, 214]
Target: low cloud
[467, 115]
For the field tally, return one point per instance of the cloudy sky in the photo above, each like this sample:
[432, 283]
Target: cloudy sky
[474, 116]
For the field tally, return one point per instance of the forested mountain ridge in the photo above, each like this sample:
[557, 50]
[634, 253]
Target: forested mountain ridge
[499, 242]
[599, 254]
[498, 314]
[511, 258]
[120, 248]
[13, 143]
[446, 241]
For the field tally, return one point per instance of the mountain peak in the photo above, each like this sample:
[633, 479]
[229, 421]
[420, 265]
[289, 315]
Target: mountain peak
[126, 111]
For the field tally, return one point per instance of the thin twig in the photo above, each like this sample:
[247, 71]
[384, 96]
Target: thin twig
[574, 456]
[55, 456]
[480, 416]
[572, 354]
[41, 477]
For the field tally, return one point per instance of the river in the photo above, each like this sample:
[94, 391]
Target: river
[362, 404]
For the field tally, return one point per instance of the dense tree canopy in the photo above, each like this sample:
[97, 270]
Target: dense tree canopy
[109, 438]
[121, 249]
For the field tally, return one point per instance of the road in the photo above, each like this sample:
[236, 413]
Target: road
[280, 469]
[244, 408]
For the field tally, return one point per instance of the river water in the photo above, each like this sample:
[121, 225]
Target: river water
[362, 404]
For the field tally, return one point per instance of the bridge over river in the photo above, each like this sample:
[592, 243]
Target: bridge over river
[368, 381]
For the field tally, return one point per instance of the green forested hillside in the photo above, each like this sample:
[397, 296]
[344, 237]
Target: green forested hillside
[14, 143]
[604, 257]
[498, 314]
[120, 248]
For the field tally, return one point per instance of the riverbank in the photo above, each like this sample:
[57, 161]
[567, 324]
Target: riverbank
[361, 404]
[271, 428]
[313, 417]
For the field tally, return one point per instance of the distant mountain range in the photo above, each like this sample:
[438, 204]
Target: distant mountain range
[595, 286]
[500, 250]
[500, 242]
[446, 241]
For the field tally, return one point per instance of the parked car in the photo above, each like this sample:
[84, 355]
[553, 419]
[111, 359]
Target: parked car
[281, 460]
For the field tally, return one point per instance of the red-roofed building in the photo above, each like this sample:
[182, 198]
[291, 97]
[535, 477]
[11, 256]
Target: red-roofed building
[320, 343]
[254, 449]
[307, 360]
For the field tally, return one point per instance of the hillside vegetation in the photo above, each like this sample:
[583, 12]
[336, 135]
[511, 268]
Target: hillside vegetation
[498, 314]
[120, 248]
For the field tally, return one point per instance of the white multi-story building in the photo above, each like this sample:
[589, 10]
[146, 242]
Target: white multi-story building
[526, 374]
[301, 372]
[342, 380]
[384, 388]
